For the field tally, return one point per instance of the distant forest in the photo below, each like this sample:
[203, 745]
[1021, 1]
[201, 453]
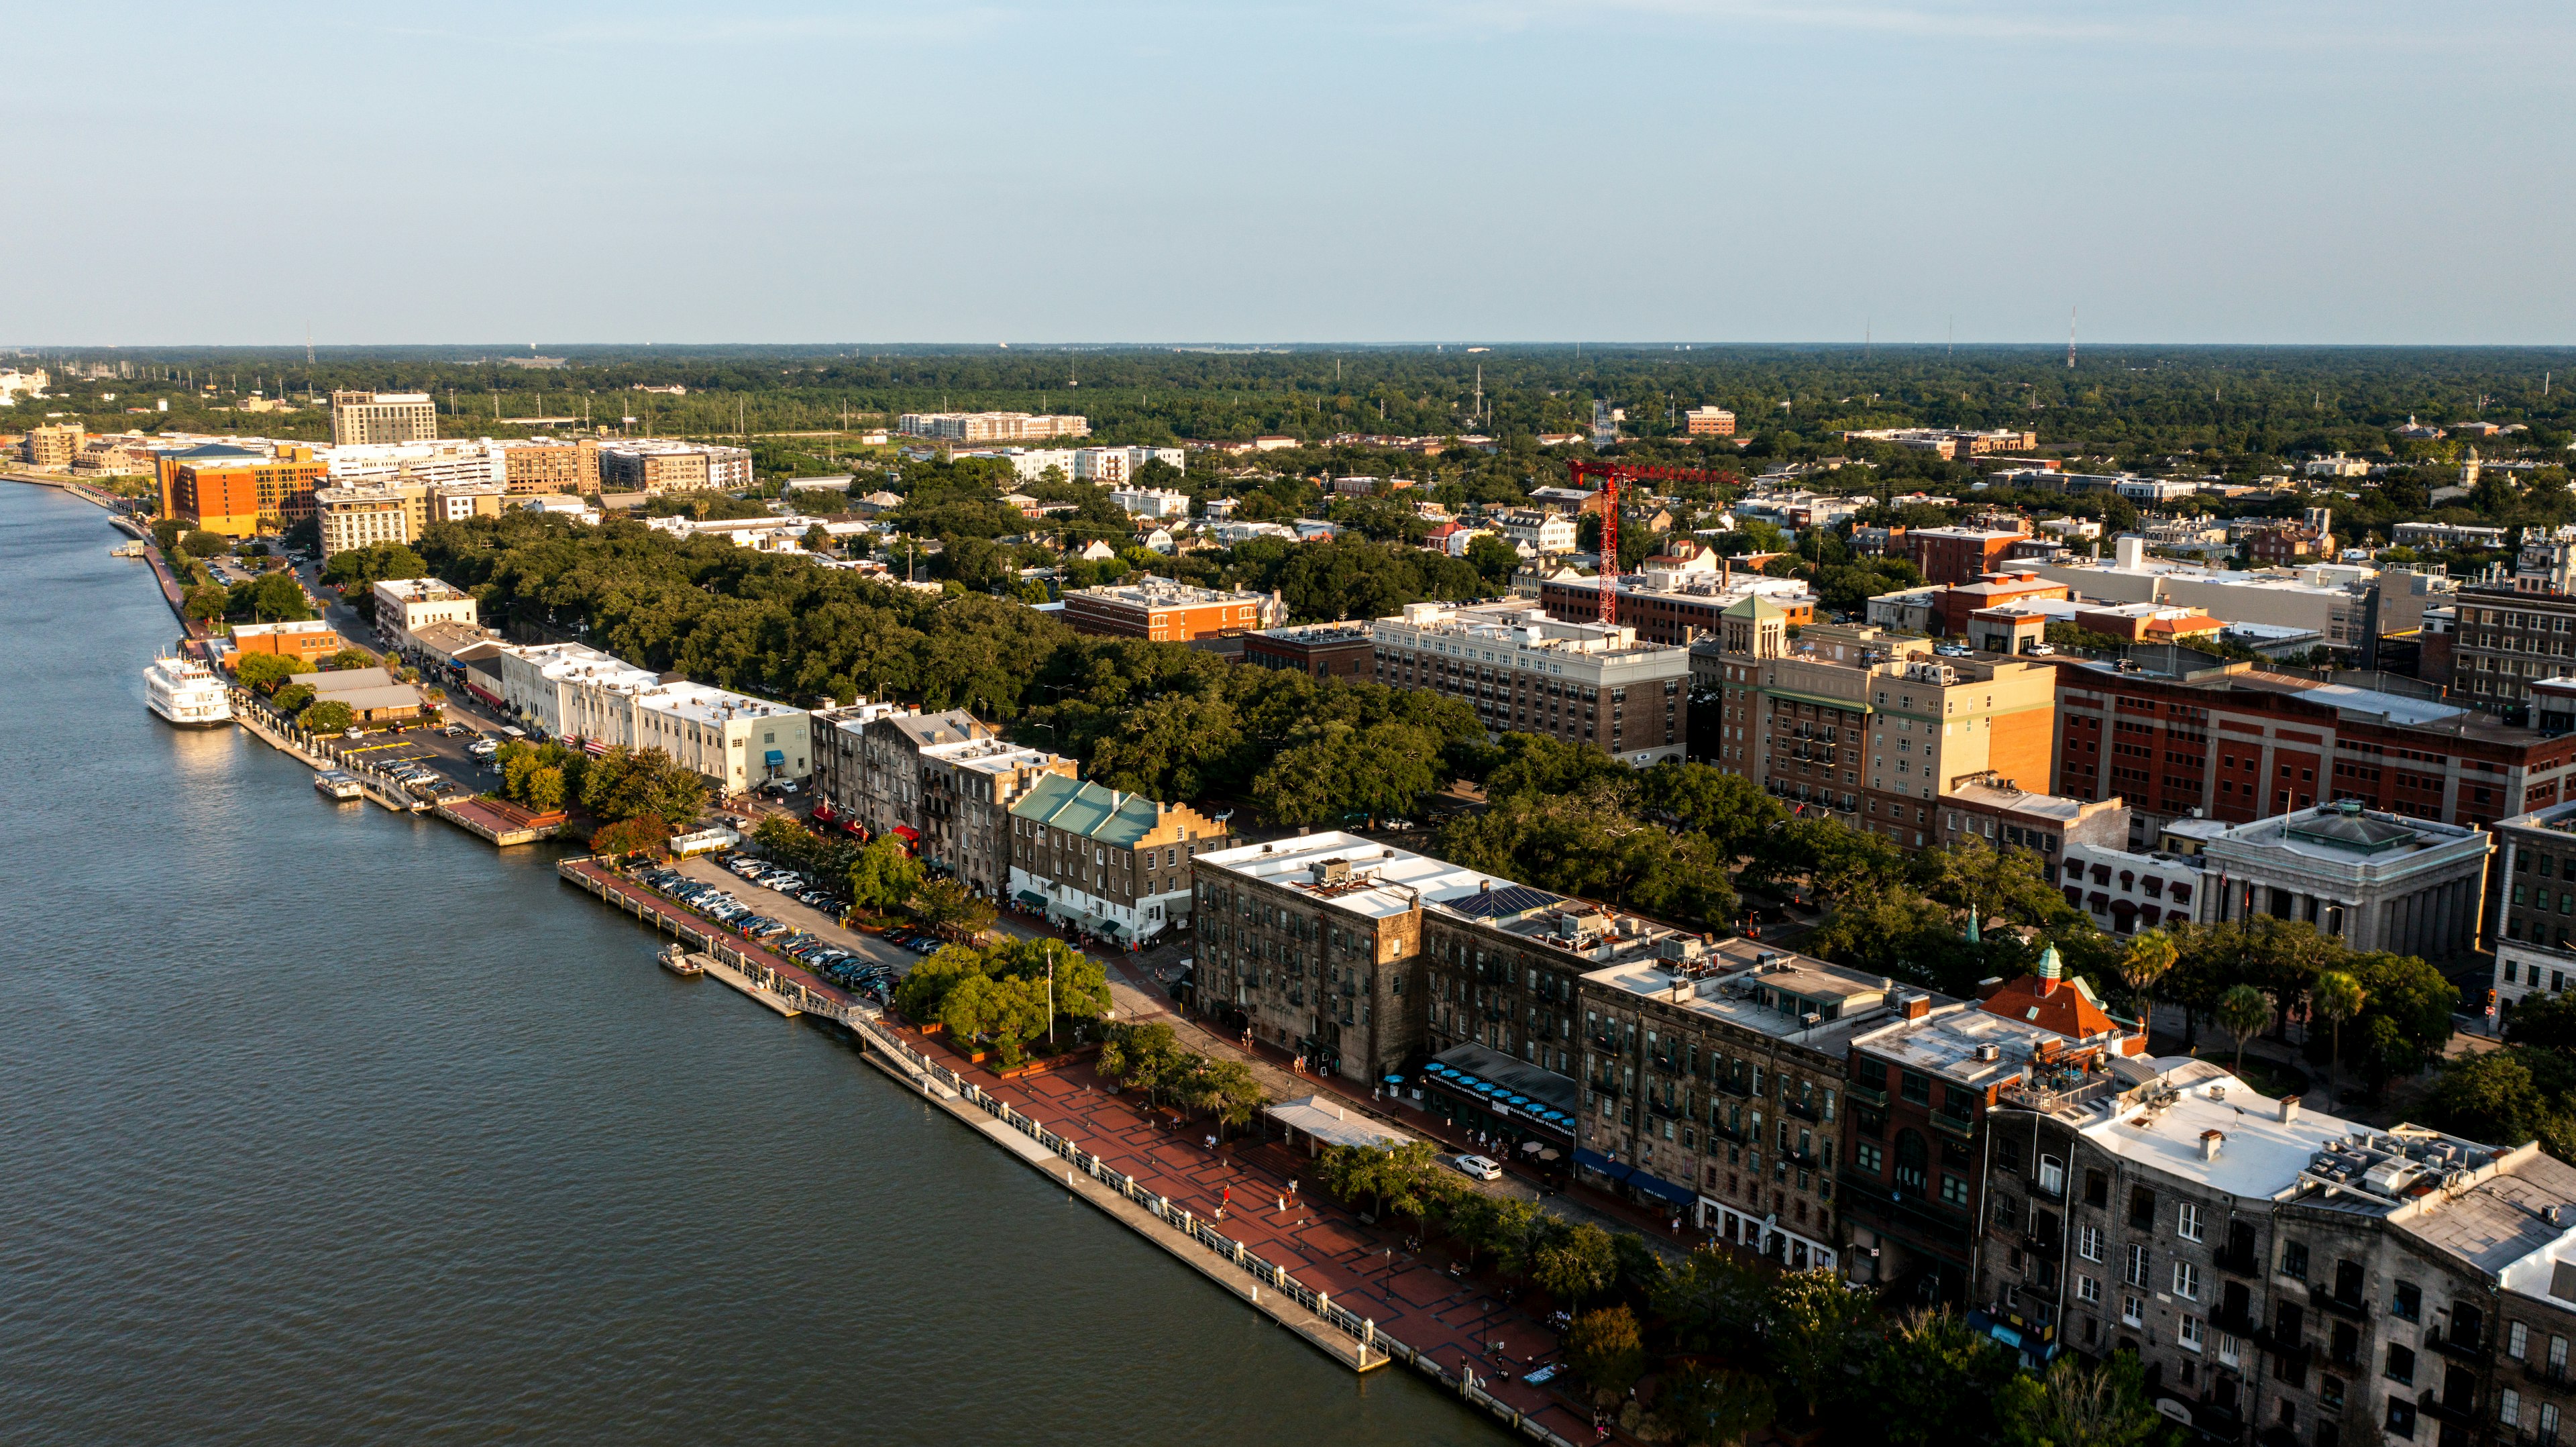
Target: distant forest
[2232, 406]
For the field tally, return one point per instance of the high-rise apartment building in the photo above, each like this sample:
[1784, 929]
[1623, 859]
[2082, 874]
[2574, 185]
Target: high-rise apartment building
[991, 426]
[659, 465]
[226, 488]
[368, 417]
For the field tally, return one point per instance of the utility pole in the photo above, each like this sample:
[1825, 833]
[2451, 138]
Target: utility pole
[2070, 339]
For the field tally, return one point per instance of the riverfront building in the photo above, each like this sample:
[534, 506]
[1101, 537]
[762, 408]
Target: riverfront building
[404, 606]
[1579, 682]
[1115, 864]
[226, 488]
[1713, 1083]
[574, 692]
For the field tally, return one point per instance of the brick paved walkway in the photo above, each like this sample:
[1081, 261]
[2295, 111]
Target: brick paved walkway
[1365, 1269]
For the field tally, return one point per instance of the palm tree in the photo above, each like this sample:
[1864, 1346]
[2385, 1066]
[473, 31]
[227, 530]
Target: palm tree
[2151, 955]
[2244, 1012]
[2338, 997]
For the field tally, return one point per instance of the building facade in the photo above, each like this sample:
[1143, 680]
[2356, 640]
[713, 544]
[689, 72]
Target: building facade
[1318, 650]
[990, 426]
[359, 418]
[2375, 881]
[228, 489]
[659, 466]
[404, 606]
[1525, 672]
[1116, 865]
[1168, 612]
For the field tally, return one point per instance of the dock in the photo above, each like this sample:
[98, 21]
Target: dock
[718, 969]
[499, 825]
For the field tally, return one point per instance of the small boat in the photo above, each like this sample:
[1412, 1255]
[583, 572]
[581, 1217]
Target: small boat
[339, 784]
[679, 961]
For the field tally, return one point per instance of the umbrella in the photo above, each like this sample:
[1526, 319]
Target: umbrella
[1395, 1080]
[1532, 1146]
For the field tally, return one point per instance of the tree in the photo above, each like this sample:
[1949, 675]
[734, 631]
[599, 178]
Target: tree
[265, 672]
[1713, 1299]
[277, 597]
[1817, 1326]
[1933, 1380]
[2244, 1012]
[1576, 1265]
[1231, 1093]
[2076, 1404]
[207, 603]
[2509, 1096]
[1493, 559]
[542, 789]
[644, 832]
[926, 987]
[2336, 997]
[330, 716]
[1604, 1348]
[203, 544]
[1140, 1056]
[292, 698]
[351, 658]
[1719, 1408]
[624, 782]
[946, 904]
[166, 533]
[884, 876]
[2150, 957]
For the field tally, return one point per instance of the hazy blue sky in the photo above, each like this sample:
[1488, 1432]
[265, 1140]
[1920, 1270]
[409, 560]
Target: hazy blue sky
[1633, 169]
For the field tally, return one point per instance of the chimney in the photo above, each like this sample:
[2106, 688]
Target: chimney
[2289, 1110]
[1987, 987]
[2210, 1141]
[1916, 1007]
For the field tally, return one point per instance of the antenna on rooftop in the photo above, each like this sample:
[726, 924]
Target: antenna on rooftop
[2070, 339]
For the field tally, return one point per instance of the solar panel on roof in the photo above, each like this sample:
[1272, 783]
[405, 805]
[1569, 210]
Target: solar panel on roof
[1511, 899]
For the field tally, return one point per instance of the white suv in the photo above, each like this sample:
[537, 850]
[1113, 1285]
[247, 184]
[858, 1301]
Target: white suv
[1477, 1167]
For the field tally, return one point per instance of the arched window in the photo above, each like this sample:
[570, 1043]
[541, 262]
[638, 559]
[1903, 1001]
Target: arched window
[2128, 880]
[1913, 1162]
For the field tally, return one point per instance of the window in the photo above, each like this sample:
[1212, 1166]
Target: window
[2136, 1274]
[1913, 1161]
[2132, 1310]
[1868, 1157]
[2187, 1220]
[2401, 1416]
[2401, 1364]
[1954, 1190]
[2189, 1333]
[2517, 1342]
[2088, 1289]
[2294, 1260]
[2088, 1242]
[1916, 1088]
[2186, 1281]
[2142, 1208]
[2509, 1408]
[2052, 1175]
[2406, 1302]
[2097, 1189]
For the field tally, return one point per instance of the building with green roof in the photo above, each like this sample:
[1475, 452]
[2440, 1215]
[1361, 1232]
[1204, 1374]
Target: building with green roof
[1101, 860]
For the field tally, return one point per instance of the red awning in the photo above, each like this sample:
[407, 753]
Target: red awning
[908, 832]
[823, 812]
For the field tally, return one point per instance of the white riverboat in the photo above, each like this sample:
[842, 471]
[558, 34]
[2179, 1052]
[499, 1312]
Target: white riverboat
[187, 693]
[339, 784]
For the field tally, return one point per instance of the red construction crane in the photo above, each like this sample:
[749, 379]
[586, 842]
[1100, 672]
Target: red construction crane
[1612, 474]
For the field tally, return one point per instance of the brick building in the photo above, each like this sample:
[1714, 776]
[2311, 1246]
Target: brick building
[2238, 744]
[227, 489]
[1168, 612]
[1961, 555]
[1318, 650]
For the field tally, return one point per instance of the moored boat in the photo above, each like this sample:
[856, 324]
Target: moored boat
[186, 693]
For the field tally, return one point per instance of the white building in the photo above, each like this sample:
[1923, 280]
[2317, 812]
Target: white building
[358, 464]
[1151, 502]
[13, 382]
[404, 606]
[359, 517]
[571, 690]
[2127, 890]
[2376, 881]
[1537, 533]
[1526, 672]
[1118, 464]
[2333, 599]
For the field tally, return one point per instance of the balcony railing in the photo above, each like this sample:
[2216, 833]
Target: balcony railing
[2341, 1305]
[1665, 1108]
[1732, 1085]
[2440, 1339]
[1865, 1094]
[1806, 1110]
[1950, 1124]
[2236, 1322]
[2462, 1410]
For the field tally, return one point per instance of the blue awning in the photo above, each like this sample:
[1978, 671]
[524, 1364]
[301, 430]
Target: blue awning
[776, 758]
[1592, 1160]
[1656, 1185]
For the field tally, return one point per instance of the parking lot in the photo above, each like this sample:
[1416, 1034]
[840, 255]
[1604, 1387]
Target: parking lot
[799, 916]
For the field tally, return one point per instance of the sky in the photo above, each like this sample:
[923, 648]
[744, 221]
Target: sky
[1392, 171]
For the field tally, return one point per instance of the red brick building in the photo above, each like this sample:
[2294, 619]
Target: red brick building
[2240, 745]
[1318, 650]
[1960, 555]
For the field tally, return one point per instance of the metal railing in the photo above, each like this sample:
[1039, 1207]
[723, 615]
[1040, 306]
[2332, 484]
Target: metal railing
[1361, 1330]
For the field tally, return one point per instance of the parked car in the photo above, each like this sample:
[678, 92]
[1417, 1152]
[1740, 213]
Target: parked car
[1477, 1168]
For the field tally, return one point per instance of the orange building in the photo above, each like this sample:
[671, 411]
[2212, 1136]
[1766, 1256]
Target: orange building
[1168, 612]
[307, 642]
[226, 489]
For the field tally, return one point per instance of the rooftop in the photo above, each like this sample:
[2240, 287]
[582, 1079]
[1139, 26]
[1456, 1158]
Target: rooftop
[1770, 992]
[1154, 591]
[2347, 836]
[991, 756]
[2056, 808]
[1090, 811]
[707, 704]
[1373, 880]
[1522, 626]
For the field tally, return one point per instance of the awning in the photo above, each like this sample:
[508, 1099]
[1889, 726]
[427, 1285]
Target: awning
[1031, 899]
[1592, 1160]
[777, 758]
[1328, 1121]
[908, 832]
[1656, 1185]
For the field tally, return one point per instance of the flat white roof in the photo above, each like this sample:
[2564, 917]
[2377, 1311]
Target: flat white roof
[1392, 878]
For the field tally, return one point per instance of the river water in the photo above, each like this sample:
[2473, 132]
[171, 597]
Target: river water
[323, 1125]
